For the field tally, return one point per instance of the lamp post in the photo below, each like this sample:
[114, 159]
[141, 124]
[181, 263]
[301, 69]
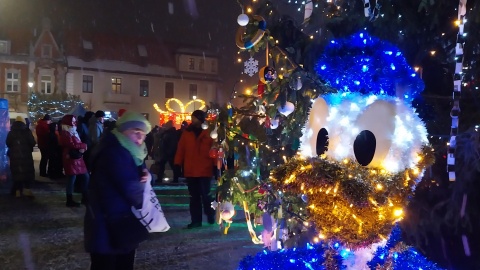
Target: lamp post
[194, 98]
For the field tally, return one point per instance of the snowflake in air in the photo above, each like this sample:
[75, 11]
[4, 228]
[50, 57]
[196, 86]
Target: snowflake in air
[251, 67]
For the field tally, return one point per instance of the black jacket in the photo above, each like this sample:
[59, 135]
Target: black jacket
[20, 143]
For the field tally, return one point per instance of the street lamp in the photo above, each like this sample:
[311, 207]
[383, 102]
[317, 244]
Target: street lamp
[30, 85]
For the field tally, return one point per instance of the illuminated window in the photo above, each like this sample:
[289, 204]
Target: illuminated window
[116, 85]
[201, 65]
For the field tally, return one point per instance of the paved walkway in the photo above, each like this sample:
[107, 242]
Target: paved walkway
[44, 234]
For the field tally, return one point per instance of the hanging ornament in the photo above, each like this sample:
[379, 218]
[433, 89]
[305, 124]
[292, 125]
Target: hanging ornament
[267, 74]
[243, 19]
[251, 67]
[214, 133]
[287, 109]
[274, 123]
[308, 11]
[247, 43]
[260, 89]
[204, 126]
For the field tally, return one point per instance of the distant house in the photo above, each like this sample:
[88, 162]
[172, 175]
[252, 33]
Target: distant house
[30, 60]
[112, 72]
[109, 72]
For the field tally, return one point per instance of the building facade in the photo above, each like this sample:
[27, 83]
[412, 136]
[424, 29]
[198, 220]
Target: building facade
[109, 72]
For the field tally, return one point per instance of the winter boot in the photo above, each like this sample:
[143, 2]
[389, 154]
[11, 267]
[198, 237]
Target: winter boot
[71, 202]
[28, 193]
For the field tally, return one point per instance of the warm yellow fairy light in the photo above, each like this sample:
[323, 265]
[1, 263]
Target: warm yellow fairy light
[249, 10]
[183, 108]
[398, 212]
[379, 187]
[239, 60]
[457, 22]
[321, 236]
[315, 240]
[248, 92]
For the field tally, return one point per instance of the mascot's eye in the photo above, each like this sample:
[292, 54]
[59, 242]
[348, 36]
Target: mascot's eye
[322, 141]
[364, 147]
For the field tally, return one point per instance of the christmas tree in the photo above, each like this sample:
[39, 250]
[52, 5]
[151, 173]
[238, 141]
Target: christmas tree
[264, 135]
[56, 105]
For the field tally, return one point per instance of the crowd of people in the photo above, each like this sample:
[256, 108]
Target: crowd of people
[109, 162]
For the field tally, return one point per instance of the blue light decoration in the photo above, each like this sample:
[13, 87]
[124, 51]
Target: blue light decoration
[368, 65]
[327, 256]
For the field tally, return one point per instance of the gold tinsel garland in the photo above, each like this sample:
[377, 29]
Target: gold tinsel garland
[348, 202]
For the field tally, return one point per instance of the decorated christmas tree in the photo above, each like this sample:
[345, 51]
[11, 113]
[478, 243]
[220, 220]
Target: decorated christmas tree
[328, 148]
[56, 105]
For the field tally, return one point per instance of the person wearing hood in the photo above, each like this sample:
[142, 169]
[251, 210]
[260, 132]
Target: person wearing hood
[84, 133]
[193, 154]
[73, 162]
[20, 143]
[42, 131]
[111, 231]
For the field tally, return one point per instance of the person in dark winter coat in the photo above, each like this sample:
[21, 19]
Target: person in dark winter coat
[95, 127]
[55, 166]
[20, 143]
[84, 133]
[193, 153]
[169, 143]
[73, 163]
[42, 131]
[117, 183]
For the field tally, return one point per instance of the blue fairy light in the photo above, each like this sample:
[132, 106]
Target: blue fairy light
[365, 59]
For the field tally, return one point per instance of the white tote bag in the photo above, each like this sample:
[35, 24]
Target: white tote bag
[151, 214]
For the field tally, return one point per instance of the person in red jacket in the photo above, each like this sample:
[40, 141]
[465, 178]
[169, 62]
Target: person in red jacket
[193, 154]
[43, 132]
[73, 163]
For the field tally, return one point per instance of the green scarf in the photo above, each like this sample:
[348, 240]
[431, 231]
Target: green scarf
[138, 152]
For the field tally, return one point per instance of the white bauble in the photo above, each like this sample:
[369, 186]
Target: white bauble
[287, 109]
[243, 19]
[204, 126]
[274, 123]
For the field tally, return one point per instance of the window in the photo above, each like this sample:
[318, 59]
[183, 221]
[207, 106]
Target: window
[193, 91]
[116, 85]
[46, 50]
[87, 85]
[142, 51]
[46, 84]
[4, 46]
[214, 66]
[201, 65]
[143, 88]
[12, 81]
[169, 90]
[191, 63]
[87, 45]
